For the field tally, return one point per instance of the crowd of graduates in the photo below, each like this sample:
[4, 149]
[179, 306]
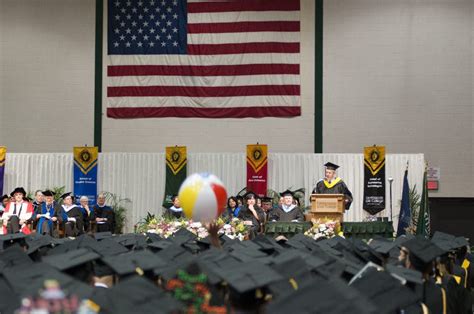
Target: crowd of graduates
[144, 273]
[96, 271]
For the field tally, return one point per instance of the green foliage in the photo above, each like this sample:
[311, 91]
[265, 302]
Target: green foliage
[120, 207]
[415, 201]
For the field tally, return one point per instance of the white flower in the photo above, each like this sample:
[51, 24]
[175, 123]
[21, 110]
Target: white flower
[196, 225]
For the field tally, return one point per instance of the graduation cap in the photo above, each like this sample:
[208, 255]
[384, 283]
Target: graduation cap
[331, 166]
[102, 235]
[48, 193]
[12, 239]
[76, 263]
[26, 281]
[20, 190]
[131, 240]
[14, 256]
[68, 194]
[71, 259]
[109, 247]
[405, 275]
[138, 295]
[100, 269]
[249, 195]
[136, 262]
[380, 287]
[422, 252]
[246, 277]
[37, 241]
[159, 245]
[382, 245]
[267, 199]
[287, 193]
[332, 296]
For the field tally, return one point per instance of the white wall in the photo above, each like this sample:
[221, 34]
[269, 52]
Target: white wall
[47, 74]
[225, 135]
[399, 73]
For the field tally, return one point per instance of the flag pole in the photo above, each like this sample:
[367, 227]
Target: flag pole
[390, 181]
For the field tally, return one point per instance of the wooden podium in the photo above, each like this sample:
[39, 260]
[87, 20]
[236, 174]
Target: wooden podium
[330, 206]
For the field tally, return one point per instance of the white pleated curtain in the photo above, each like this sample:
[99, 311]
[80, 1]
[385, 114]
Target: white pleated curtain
[140, 177]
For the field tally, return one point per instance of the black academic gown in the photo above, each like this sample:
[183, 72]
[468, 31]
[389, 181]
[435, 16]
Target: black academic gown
[71, 228]
[323, 187]
[457, 298]
[172, 214]
[278, 214]
[431, 295]
[246, 215]
[104, 212]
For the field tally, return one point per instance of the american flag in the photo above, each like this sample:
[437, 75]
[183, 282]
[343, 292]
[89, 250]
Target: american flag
[212, 59]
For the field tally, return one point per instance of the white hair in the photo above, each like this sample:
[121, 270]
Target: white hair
[84, 198]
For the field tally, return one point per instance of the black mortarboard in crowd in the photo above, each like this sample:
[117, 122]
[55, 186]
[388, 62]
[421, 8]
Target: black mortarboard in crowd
[135, 262]
[76, 263]
[11, 239]
[422, 252]
[139, 295]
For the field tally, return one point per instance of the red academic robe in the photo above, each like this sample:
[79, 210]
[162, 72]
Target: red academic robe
[24, 213]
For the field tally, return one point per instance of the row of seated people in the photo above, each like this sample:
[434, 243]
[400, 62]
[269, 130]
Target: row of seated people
[47, 216]
[254, 211]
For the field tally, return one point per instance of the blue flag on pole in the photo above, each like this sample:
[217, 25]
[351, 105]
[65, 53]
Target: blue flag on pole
[404, 218]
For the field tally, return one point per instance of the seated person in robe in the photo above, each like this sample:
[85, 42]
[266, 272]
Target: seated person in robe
[175, 211]
[70, 215]
[288, 211]
[17, 213]
[45, 213]
[267, 206]
[86, 212]
[251, 214]
[103, 215]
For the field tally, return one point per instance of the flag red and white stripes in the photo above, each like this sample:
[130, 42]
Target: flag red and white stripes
[241, 59]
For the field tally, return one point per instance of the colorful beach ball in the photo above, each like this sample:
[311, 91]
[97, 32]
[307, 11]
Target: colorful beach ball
[202, 197]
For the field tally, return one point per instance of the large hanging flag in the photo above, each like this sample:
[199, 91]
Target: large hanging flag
[257, 169]
[176, 164]
[404, 218]
[3, 154]
[423, 225]
[374, 179]
[85, 172]
[203, 58]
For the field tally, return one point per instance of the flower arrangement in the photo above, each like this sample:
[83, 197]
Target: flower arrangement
[234, 229]
[323, 229]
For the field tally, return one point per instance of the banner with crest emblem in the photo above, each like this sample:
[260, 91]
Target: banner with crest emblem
[374, 179]
[85, 173]
[176, 164]
[257, 169]
[3, 154]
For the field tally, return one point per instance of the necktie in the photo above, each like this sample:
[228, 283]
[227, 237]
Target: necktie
[14, 210]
